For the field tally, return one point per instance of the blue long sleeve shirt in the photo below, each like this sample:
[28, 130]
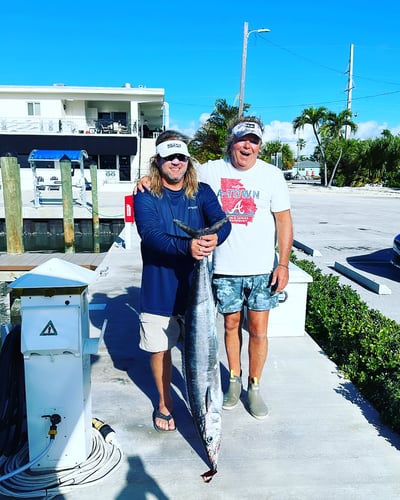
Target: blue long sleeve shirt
[165, 248]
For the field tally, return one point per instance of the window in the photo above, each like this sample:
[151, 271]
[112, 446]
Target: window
[33, 108]
[108, 162]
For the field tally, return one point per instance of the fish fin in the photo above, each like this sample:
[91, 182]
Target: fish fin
[208, 398]
[207, 476]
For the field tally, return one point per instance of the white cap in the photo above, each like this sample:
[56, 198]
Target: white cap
[244, 128]
[168, 148]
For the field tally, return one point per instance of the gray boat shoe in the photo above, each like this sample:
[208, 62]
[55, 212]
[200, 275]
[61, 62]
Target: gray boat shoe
[257, 407]
[231, 398]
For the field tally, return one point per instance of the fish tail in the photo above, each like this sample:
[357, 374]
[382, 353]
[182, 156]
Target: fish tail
[197, 233]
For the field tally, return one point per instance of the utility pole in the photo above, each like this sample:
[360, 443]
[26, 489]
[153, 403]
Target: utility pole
[349, 89]
[243, 74]
[246, 34]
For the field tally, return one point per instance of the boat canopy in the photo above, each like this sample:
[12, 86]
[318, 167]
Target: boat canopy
[57, 155]
[45, 165]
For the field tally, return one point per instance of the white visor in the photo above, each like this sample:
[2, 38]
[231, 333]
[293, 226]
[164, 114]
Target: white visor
[168, 148]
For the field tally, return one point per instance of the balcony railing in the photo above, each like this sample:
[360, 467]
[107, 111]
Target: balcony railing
[65, 125]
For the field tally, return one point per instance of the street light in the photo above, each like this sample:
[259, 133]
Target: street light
[246, 34]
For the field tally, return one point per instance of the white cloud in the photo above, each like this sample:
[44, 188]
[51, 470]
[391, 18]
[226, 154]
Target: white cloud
[203, 118]
[283, 132]
[369, 130]
[395, 130]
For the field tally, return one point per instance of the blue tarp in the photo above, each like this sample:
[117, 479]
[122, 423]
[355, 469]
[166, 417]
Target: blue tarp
[56, 155]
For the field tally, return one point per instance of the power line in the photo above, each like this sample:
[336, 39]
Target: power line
[300, 56]
[316, 63]
[322, 103]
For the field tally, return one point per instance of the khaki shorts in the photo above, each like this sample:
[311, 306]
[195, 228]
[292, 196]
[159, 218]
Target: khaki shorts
[160, 333]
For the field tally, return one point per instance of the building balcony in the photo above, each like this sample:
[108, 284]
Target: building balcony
[69, 125]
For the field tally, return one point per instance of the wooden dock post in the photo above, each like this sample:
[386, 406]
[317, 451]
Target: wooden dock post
[68, 211]
[95, 209]
[12, 195]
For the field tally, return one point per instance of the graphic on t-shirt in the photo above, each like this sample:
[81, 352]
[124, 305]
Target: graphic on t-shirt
[237, 202]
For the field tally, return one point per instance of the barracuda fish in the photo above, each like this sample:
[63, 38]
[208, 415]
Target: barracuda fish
[201, 360]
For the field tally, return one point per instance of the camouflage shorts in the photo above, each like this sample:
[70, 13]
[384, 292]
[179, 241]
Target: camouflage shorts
[234, 292]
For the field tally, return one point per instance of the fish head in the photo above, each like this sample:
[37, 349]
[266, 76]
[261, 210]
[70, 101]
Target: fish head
[212, 437]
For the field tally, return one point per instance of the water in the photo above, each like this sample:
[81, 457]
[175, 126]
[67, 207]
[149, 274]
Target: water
[47, 236]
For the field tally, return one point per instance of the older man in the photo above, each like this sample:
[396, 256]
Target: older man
[247, 275]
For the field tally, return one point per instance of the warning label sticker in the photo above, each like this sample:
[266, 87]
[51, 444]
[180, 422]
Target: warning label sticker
[49, 329]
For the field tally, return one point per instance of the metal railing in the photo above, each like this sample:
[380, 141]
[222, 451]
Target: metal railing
[65, 125]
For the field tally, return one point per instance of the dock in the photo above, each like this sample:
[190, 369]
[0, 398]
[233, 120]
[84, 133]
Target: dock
[12, 266]
[111, 206]
[322, 439]
[110, 200]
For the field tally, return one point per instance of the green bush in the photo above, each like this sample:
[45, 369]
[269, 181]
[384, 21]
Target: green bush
[363, 343]
[392, 180]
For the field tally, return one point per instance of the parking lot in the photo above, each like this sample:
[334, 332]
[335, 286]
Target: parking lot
[321, 439]
[355, 227]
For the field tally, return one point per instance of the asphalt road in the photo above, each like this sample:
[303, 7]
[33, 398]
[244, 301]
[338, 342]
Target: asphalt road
[355, 227]
[321, 439]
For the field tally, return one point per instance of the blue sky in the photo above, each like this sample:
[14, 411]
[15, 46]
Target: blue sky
[194, 51]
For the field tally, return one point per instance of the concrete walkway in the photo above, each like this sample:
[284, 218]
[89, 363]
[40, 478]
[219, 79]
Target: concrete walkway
[321, 439]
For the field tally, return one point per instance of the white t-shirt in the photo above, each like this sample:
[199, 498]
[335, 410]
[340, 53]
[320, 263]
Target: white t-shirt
[248, 198]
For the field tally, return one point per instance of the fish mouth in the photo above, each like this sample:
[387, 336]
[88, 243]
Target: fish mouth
[207, 476]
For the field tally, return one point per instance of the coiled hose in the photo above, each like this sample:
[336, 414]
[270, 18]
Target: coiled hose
[13, 426]
[106, 455]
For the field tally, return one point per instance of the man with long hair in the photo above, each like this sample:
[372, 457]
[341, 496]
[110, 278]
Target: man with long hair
[169, 255]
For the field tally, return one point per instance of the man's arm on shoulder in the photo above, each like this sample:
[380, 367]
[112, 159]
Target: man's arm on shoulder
[142, 184]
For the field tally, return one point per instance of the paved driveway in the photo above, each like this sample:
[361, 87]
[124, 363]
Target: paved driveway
[354, 227]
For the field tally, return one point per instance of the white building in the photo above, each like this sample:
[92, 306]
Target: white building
[117, 127]
[307, 169]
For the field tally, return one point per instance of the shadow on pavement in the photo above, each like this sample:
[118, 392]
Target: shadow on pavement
[122, 342]
[349, 392]
[139, 485]
[376, 263]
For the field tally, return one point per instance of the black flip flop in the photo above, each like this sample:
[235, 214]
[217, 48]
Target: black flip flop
[158, 414]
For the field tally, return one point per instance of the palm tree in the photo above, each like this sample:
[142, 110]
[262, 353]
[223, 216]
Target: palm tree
[209, 140]
[301, 144]
[315, 117]
[334, 128]
[272, 148]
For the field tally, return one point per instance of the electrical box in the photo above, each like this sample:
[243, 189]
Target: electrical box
[288, 319]
[56, 347]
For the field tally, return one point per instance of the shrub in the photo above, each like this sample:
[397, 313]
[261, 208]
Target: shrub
[363, 343]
